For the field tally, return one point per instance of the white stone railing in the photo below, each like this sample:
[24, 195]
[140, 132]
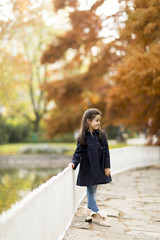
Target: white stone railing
[46, 213]
[126, 158]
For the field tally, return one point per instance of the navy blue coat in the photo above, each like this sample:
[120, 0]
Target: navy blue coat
[93, 158]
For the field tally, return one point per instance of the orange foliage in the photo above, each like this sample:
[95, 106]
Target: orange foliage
[78, 89]
[135, 97]
[59, 4]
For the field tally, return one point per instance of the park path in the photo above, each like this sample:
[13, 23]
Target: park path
[132, 203]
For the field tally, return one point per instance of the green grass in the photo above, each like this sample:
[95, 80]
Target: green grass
[15, 147]
[11, 148]
[118, 145]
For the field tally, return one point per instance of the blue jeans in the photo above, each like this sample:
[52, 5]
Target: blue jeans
[91, 195]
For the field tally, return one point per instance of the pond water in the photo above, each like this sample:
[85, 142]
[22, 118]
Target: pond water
[16, 183]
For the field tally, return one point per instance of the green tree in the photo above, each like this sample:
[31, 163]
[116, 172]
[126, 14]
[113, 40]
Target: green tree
[22, 72]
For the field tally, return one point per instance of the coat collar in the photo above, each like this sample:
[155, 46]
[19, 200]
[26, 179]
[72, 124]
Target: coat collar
[95, 131]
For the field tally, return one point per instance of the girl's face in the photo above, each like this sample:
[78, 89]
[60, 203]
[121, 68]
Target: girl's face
[94, 124]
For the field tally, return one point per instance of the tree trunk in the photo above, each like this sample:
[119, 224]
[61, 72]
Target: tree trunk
[36, 123]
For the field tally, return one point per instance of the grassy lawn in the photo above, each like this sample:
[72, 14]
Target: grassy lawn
[11, 148]
[14, 148]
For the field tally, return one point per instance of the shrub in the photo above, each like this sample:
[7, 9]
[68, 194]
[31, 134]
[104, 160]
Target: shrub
[10, 133]
[64, 138]
[44, 148]
[4, 136]
[18, 133]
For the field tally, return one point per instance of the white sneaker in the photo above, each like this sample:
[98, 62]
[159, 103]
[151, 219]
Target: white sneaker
[100, 218]
[89, 217]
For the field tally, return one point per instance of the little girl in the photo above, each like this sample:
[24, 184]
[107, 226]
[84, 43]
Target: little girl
[93, 155]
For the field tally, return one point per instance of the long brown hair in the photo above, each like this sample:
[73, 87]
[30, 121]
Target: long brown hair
[88, 114]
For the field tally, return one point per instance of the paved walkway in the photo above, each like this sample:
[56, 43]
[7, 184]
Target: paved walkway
[132, 203]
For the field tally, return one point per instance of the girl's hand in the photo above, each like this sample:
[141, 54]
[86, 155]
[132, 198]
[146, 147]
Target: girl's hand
[107, 172]
[71, 165]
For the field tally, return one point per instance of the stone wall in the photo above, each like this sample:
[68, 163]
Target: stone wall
[34, 161]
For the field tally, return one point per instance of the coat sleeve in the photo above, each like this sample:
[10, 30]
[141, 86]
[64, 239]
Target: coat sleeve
[77, 155]
[107, 154]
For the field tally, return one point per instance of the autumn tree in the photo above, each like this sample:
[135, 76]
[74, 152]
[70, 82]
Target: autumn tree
[134, 99]
[23, 38]
[85, 59]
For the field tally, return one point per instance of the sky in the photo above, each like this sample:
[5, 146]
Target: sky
[60, 20]
[109, 7]
[5, 10]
